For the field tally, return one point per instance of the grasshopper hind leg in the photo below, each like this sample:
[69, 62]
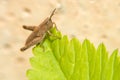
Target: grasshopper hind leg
[33, 42]
[37, 40]
[31, 28]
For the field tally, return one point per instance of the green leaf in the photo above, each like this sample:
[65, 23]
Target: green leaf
[45, 67]
[64, 59]
[109, 71]
[101, 58]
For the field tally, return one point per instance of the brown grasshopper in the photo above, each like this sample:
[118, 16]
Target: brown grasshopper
[39, 32]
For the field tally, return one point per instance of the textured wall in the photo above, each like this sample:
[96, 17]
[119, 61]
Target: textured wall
[97, 20]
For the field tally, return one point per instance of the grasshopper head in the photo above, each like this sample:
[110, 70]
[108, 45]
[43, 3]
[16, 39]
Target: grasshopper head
[49, 22]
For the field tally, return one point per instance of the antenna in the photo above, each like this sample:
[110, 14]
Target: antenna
[52, 13]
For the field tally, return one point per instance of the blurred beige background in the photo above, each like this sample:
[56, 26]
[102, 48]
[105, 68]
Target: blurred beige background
[96, 20]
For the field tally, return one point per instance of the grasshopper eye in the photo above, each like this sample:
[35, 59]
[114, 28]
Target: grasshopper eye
[48, 22]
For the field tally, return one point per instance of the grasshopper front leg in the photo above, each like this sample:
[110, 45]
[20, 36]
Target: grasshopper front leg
[54, 25]
[52, 35]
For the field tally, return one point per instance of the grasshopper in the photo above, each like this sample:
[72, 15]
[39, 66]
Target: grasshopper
[39, 32]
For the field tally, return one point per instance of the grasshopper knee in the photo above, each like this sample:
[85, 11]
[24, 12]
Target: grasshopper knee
[23, 48]
[24, 26]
